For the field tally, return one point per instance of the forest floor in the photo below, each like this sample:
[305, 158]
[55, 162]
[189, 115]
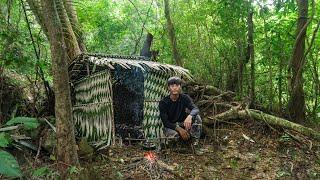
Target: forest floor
[245, 150]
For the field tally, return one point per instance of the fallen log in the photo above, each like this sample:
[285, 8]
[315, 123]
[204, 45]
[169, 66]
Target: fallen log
[273, 120]
[236, 113]
[232, 113]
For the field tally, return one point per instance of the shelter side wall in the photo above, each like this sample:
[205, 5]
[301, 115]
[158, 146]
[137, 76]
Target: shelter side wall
[155, 88]
[93, 108]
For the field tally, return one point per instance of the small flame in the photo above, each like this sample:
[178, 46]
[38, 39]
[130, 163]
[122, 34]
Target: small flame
[150, 156]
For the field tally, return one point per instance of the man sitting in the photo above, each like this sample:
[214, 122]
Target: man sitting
[174, 116]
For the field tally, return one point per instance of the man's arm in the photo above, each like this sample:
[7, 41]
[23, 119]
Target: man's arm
[164, 116]
[191, 106]
[194, 112]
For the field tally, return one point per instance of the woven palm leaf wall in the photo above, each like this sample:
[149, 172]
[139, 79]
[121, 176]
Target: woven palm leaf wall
[155, 88]
[93, 110]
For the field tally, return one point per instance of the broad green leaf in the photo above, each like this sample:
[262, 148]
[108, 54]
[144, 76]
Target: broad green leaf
[8, 165]
[4, 139]
[27, 122]
[73, 170]
[40, 171]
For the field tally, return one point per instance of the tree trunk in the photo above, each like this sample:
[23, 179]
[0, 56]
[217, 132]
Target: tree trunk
[146, 49]
[280, 84]
[70, 40]
[270, 70]
[234, 82]
[66, 145]
[171, 34]
[296, 103]
[315, 77]
[251, 53]
[72, 14]
[232, 79]
[281, 63]
[241, 66]
[53, 19]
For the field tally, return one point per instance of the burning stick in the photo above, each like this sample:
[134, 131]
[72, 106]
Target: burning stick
[150, 156]
[155, 163]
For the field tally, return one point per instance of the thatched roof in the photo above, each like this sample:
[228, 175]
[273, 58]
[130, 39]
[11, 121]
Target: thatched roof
[126, 62]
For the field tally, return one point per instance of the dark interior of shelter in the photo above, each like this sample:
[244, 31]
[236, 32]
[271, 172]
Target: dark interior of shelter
[128, 96]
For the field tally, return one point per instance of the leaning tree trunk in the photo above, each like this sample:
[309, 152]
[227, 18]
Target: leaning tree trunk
[251, 53]
[72, 14]
[296, 103]
[66, 145]
[53, 19]
[70, 40]
[172, 35]
[69, 35]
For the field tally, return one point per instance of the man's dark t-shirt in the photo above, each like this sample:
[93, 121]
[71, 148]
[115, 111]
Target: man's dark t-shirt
[175, 111]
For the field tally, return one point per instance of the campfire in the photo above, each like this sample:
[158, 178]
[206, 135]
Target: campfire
[151, 164]
[150, 156]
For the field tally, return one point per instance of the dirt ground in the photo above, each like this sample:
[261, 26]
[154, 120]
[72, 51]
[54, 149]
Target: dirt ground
[236, 151]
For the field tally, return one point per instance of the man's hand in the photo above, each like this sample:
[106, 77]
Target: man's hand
[187, 122]
[183, 133]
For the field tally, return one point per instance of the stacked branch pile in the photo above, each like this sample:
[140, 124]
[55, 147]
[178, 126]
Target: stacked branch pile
[217, 105]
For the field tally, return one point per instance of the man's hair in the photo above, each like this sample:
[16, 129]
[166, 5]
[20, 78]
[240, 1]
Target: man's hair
[174, 80]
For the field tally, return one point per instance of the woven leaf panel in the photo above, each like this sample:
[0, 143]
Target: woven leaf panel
[93, 109]
[155, 88]
[93, 89]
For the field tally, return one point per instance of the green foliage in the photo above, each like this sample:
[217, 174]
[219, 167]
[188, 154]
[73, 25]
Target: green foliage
[119, 175]
[282, 173]
[45, 173]
[40, 172]
[285, 138]
[74, 170]
[8, 165]
[234, 163]
[4, 140]
[27, 122]
[16, 48]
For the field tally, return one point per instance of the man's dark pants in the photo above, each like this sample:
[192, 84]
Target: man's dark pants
[195, 131]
